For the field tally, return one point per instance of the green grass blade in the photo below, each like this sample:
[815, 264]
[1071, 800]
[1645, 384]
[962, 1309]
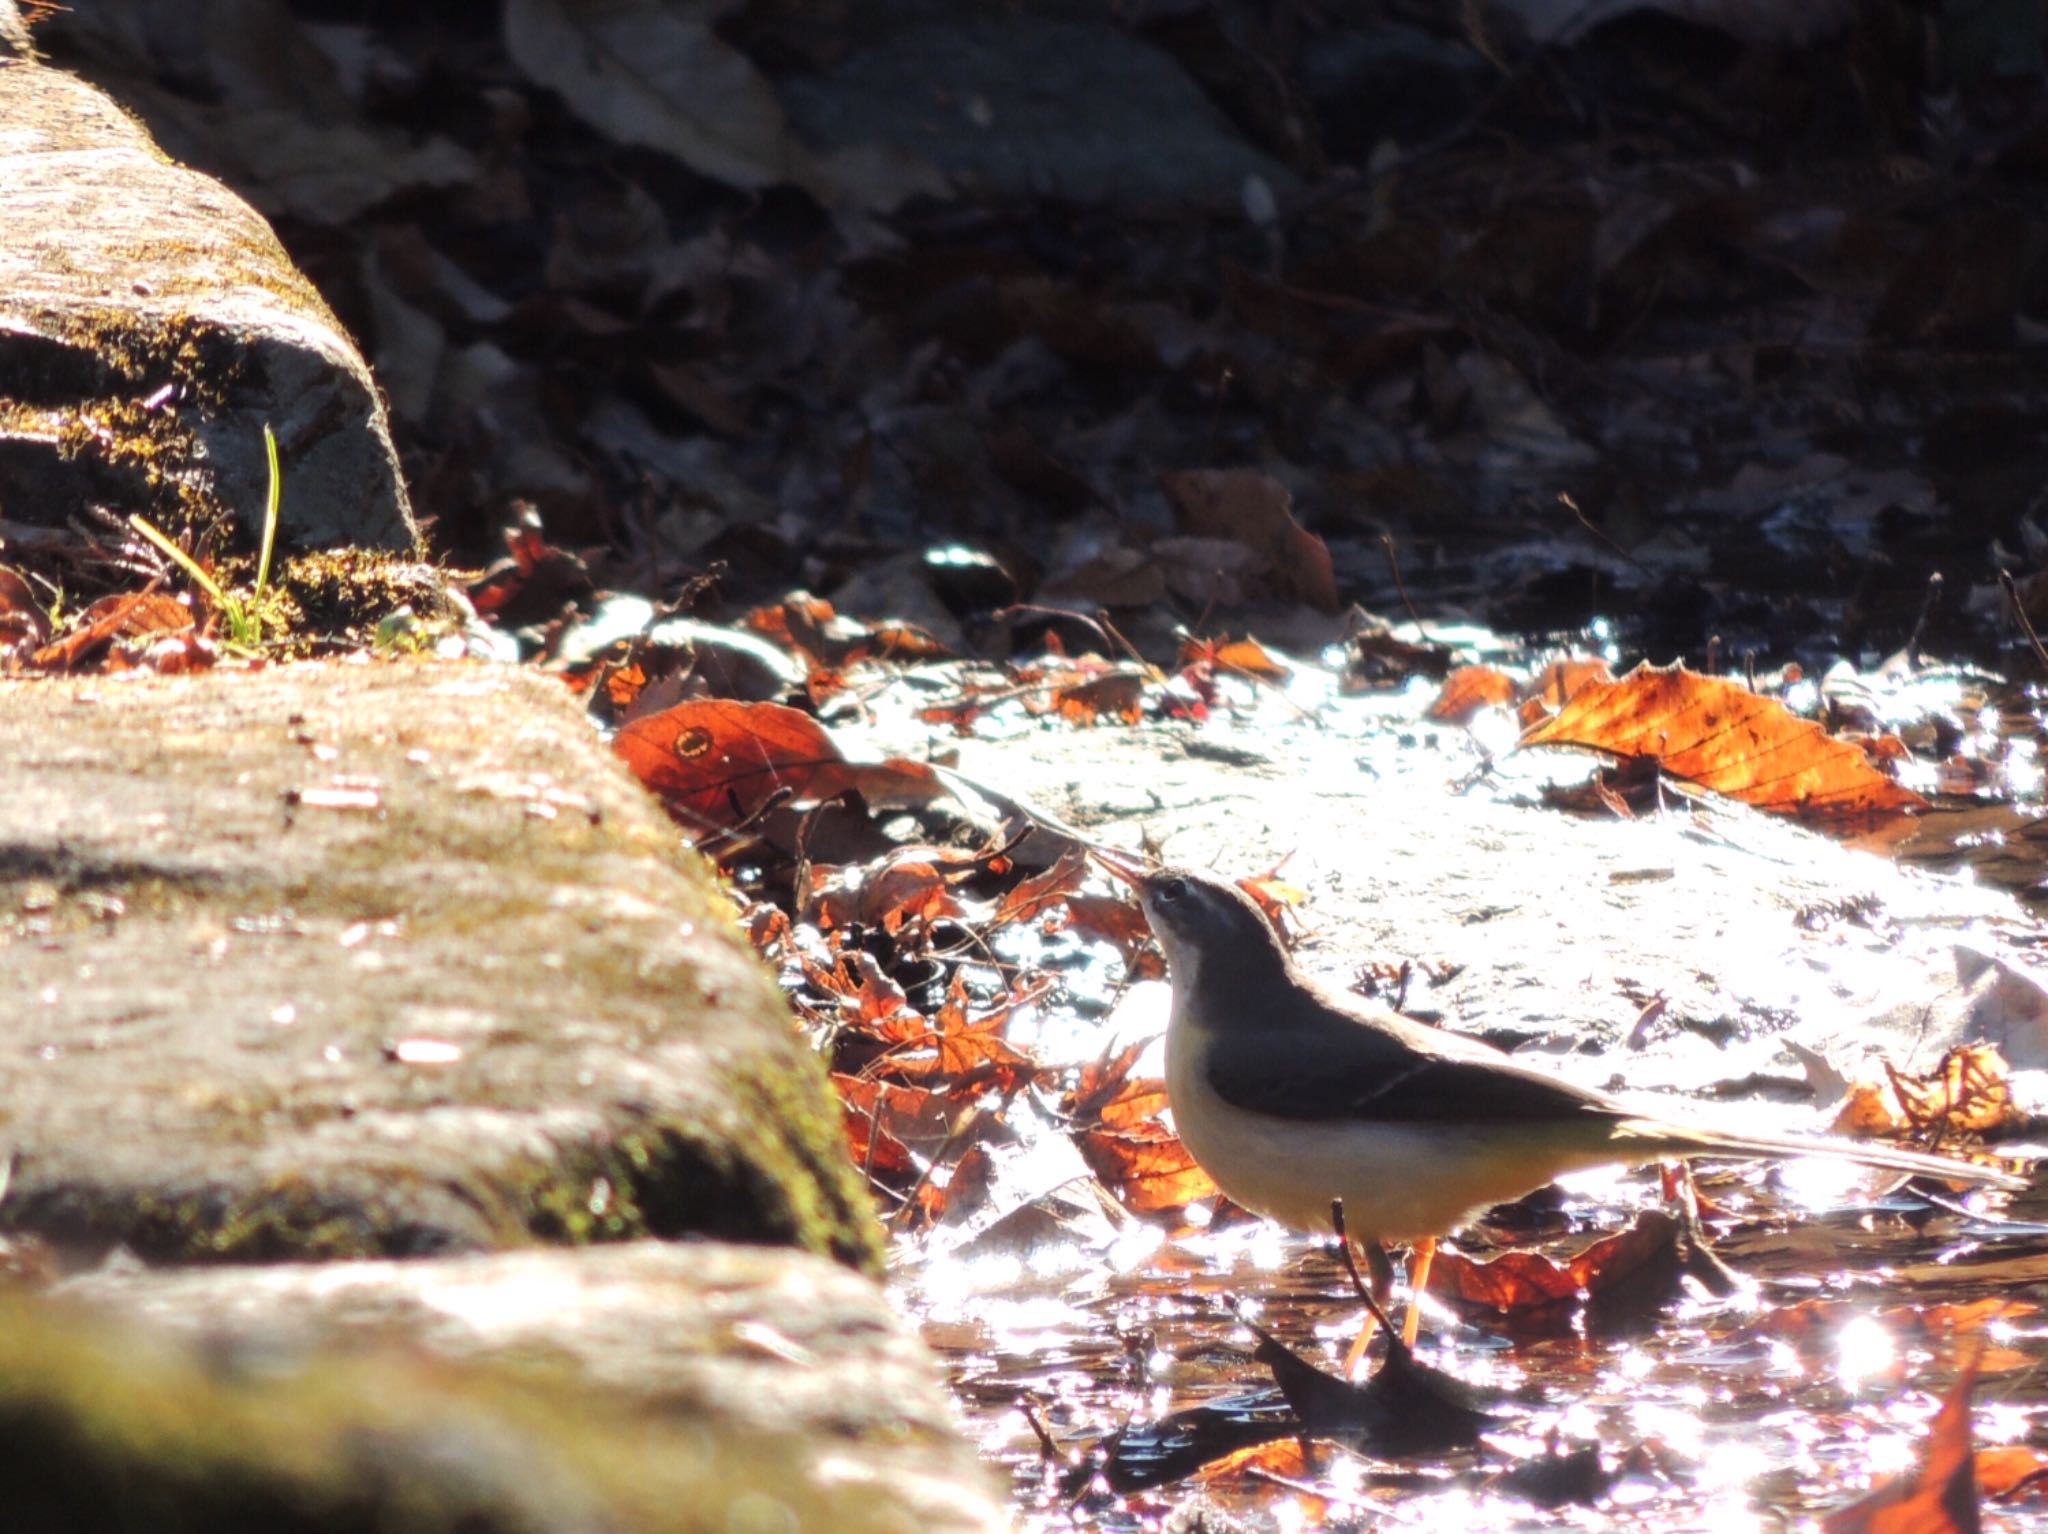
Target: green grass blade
[269, 512]
[185, 561]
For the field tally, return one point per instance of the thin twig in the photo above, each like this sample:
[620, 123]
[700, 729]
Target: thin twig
[1351, 1267]
[1927, 601]
[1578, 513]
[2019, 611]
[1394, 565]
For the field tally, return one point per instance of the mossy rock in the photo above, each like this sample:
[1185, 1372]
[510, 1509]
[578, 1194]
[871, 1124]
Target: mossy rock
[391, 958]
[110, 1425]
[151, 326]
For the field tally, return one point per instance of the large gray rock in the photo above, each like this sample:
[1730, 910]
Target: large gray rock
[151, 326]
[335, 960]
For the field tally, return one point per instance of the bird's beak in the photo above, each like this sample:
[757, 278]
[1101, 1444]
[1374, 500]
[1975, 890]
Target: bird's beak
[1120, 865]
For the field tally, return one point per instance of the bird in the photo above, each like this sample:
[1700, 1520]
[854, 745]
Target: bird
[1291, 1097]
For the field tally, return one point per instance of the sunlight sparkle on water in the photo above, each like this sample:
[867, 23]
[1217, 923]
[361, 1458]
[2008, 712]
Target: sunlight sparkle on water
[1685, 1434]
[1726, 1463]
[949, 1285]
[1818, 1183]
[1133, 1247]
[1261, 1245]
[1783, 1361]
[2002, 1422]
[1864, 1349]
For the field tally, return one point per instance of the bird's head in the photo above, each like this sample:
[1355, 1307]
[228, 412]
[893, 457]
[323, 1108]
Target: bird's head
[1213, 933]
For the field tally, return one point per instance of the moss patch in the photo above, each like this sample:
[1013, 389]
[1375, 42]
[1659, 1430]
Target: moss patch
[103, 1430]
[121, 398]
[343, 594]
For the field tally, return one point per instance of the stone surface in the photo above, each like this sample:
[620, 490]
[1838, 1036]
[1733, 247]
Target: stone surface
[151, 326]
[334, 960]
[812, 1394]
[14, 38]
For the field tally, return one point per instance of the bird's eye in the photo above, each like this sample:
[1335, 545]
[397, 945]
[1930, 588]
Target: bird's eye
[1171, 890]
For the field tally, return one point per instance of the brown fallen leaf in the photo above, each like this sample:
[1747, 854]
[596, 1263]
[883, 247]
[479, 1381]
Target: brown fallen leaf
[1256, 510]
[719, 762]
[127, 616]
[23, 624]
[1116, 920]
[1515, 1281]
[1115, 695]
[2009, 1469]
[1562, 680]
[865, 1001]
[972, 1045]
[887, 1038]
[1938, 1498]
[1640, 1265]
[1043, 890]
[534, 581]
[1378, 661]
[1124, 1141]
[888, 1125]
[914, 885]
[1720, 736]
[1968, 1093]
[1275, 897]
[1245, 657]
[1470, 689]
[812, 628]
[1149, 1174]
[1104, 1095]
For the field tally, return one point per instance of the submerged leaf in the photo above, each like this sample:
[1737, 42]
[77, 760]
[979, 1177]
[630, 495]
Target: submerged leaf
[1941, 1496]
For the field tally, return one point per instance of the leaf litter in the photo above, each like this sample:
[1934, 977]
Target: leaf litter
[1777, 292]
[1060, 1243]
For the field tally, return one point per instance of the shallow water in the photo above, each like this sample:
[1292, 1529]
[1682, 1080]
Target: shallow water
[1758, 1412]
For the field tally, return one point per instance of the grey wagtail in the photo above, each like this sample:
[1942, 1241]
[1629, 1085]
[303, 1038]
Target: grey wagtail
[1291, 1097]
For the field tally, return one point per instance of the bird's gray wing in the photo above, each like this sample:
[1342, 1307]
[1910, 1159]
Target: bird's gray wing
[1368, 1074]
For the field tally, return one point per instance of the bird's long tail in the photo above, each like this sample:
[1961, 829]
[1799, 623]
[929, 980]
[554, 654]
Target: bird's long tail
[1675, 1140]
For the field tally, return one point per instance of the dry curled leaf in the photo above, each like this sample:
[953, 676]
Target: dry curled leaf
[1470, 689]
[128, 616]
[1245, 657]
[1968, 1093]
[889, 1127]
[1042, 890]
[1115, 695]
[1720, 736]
[1124, 1142]
[914, 885]
[1148, 1174]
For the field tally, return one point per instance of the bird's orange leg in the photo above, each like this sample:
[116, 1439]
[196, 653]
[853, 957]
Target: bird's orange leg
[1358, 1346]
[1420, 1256]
